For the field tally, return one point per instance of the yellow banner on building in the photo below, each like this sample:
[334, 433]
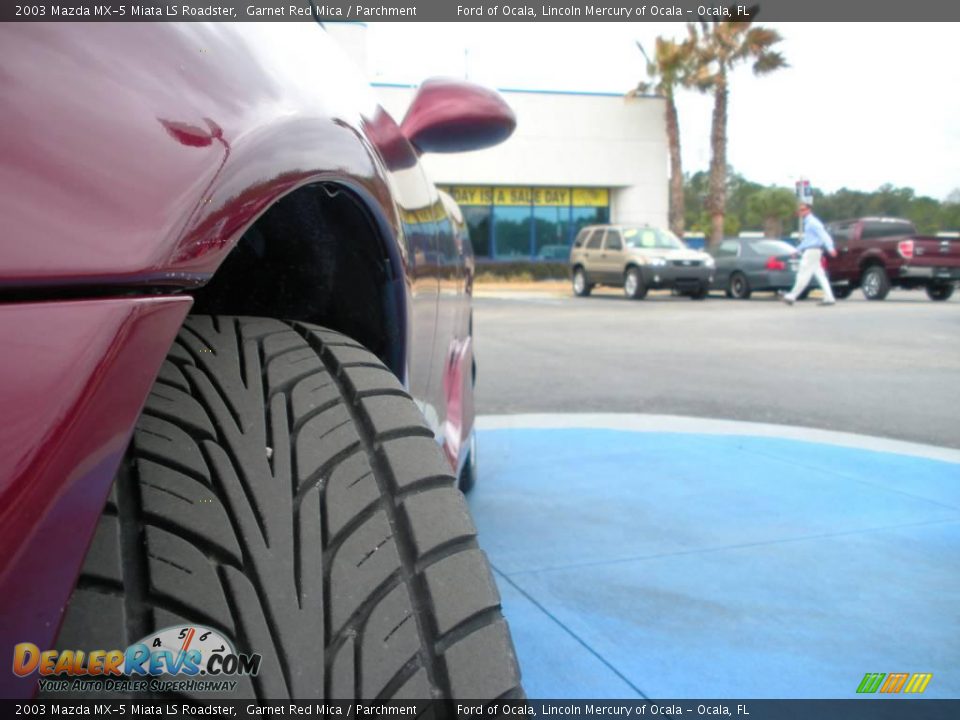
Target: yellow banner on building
[471, 195]
[525, 196]
[591, 197]
[552, 197]
[512, 196]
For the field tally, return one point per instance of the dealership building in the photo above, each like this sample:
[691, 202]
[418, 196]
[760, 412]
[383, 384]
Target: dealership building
[575, 159]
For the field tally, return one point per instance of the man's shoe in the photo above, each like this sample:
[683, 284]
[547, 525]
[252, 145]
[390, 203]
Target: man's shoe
[788, 300]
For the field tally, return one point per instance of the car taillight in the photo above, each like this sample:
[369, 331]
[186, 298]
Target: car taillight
[905, 248]
[775, 264]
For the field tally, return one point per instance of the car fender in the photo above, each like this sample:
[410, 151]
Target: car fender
[135, 158]
[136, 154]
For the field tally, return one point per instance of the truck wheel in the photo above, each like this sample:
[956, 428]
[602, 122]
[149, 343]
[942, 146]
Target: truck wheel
[940, 292]
[875, 283]
[581, 288]
[739, 288]
[633, 286]
[283, 490]
[842, 292]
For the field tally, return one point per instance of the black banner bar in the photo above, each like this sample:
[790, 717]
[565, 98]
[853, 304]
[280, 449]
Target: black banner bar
[474, 10]
[872, 708]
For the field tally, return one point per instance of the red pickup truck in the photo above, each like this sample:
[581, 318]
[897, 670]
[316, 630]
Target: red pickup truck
[877, 253]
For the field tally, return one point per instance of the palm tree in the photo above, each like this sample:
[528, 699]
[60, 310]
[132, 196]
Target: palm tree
[771, 206]
[670, 68]
[723, 46]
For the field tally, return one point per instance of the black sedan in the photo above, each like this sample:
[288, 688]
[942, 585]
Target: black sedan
[746, 265]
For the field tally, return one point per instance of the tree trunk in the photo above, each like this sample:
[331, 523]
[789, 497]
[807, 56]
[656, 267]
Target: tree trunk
[676, 170]
[718, 161]
[772, 227]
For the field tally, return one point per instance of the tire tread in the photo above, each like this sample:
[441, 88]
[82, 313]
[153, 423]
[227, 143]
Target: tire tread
[282, 487]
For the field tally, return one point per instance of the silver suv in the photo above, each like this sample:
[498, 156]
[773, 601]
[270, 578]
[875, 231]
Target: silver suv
[638, 258]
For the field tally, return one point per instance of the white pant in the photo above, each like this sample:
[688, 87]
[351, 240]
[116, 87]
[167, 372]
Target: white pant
[810, 266]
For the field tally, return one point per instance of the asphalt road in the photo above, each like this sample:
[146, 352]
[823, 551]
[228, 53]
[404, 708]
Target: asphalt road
[889, 369]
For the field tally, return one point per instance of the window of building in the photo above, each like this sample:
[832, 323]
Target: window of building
[480, 227]
[583, 216]
[529, 222]
[551, 229]
[511, 232]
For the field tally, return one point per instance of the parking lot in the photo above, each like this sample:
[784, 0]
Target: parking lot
[721, 499]
[889, 369]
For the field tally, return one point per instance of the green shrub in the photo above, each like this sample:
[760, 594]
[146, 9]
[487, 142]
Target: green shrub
[520, 271]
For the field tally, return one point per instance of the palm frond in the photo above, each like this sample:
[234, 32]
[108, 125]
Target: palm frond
[642, 89]
[643, 51]
[768, 62]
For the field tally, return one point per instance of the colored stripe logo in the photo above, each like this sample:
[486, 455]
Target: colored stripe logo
[894, 682]
[918, 683]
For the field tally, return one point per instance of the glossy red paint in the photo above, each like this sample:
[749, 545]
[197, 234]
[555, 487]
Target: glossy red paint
[152, 146]
[146, 171]
[75, 376]
[458, 387]
[137, 154]
[448, 116]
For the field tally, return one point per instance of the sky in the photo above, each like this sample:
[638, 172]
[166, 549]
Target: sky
[862, 104]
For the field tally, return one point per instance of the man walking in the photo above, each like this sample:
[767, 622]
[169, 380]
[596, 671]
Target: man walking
[815, 240]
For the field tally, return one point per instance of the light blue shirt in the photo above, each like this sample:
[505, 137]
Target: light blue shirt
[815, 235]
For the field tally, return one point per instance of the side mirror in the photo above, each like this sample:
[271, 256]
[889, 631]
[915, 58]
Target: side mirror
[449, 116]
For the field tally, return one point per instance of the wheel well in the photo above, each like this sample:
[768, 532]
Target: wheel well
[871, 262]
[317, 255]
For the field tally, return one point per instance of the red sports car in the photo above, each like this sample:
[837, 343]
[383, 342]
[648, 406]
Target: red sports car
[236, 375]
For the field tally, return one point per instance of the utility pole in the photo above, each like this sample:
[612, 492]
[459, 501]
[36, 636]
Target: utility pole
[804, 195]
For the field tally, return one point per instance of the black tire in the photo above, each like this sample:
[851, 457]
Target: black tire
[875, 283]
[468, 475]
[806, 293]
[345, 556]
[940, 292]
[738, 288]
[633, 286]
[581, 287]
[842, 292]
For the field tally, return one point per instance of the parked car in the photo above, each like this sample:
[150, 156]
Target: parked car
[879, 253]
[748, 265]
[237, 374]
[638, 258]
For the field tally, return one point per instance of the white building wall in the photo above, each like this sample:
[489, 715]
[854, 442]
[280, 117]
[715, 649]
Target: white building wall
[568, 140]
